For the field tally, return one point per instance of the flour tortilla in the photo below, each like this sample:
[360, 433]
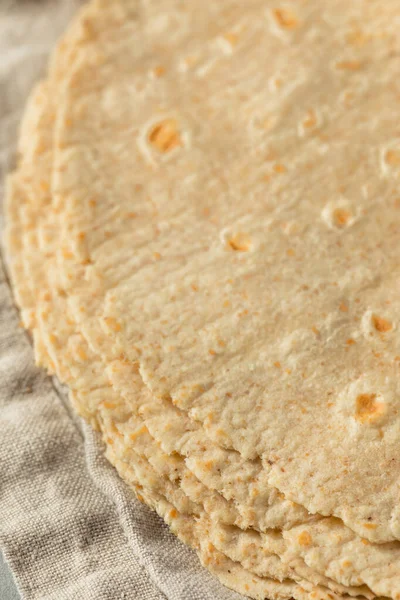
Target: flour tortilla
[156, 485]
[285, 516]
[256, 279]
[44, 243]
[112, 409]
[29, 251]
[16, 198]
[229, 572]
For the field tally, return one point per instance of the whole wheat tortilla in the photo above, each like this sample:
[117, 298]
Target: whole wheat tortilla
[35, 273]
[256, 282]
[114, 410]
[33, 270]
[54, 328]
[37, 238]
[153, 486]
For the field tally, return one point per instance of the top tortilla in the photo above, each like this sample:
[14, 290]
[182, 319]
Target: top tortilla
[31, 239]
[230, 181]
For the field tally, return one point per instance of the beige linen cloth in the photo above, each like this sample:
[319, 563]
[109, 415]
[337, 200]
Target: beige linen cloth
[69, 527]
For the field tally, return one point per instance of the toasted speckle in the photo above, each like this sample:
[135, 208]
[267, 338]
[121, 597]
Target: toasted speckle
[165, 136]
[341, 217]
[239, 242]
[368, 408]
[382, 325]
[348, 65]
[338, 215]
[304, 539]
[158, 71]
[285, 18]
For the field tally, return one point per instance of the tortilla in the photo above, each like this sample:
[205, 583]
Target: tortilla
[154, 486]
[148, 479]
[159, 495]
[71, 364]
[35, 270]
[235, 227]
[109, 404]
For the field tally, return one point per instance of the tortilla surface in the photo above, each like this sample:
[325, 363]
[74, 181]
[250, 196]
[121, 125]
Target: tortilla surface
[157, 492]
[76, 339]
[30, 224]
[235, 221]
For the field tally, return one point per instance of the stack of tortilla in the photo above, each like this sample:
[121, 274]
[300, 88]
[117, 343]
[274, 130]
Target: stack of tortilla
[203, 237]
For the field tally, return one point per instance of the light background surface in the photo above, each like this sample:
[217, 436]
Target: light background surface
[8, 590]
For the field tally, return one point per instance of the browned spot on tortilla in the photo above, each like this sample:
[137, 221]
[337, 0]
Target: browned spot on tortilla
[370, 525]
[279, 168]
[368, 409]
[112, 323]
[346, 563]
[285, 18]
[358, 38]
[348, 65]
[158, 71]
[382, 325]
[341, 217]
[310, 120]
[240, 243]
[165, 136]
[304, 539]
[231, 37]
[392, 158]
